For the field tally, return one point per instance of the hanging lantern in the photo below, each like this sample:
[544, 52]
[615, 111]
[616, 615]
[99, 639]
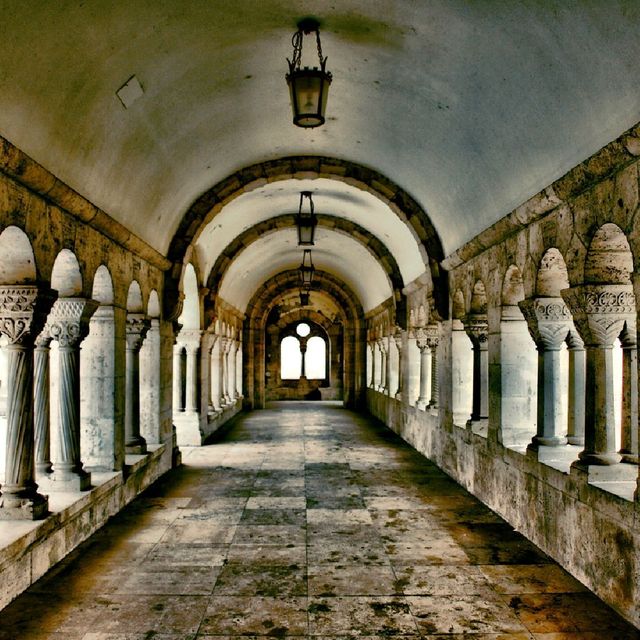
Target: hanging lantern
[306, 269]
[306, 221]
[308, 87]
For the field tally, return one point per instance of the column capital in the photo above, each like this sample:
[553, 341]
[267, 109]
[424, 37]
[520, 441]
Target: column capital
[137, 326]
[382, 343]
[422, 341]
[477, 327]
[432, 332]
[190, 339]
[600, 311]
[549, 321]
[68, 321]
[398, 336]
[23, 311]
[574, 341]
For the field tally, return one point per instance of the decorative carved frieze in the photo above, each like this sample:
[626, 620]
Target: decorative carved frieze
[432, 333]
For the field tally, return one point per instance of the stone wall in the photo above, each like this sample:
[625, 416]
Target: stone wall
[581, 233]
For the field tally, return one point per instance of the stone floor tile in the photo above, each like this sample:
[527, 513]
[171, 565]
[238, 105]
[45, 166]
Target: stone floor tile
[260, 580]
[360, 616]
[350, 580]
[187, 555]
[170, 579]
[438, 580]
[267, 554]
[137, 636]
[275, 617]
[270, 534]
[339, 517]
[464, 614]
[442, 551]
[514, 552]
[365, 553]
[190, 531]
[395, 503]
[150, 614]
[513, 579]
[274, 517]
[335, 502]
[270, 502]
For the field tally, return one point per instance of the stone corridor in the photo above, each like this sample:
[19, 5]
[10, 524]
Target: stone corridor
[308, 519]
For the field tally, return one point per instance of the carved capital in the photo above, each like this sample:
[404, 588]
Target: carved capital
[600, 312]
[432, 335]
[136, 330]
[382, 344]
[68, 321]
[422, 341]
[397, 338]
[23, 311]
[477, 328]
[190, 339]
[549, 321]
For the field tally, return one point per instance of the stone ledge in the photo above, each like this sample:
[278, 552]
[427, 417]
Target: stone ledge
[29, 549]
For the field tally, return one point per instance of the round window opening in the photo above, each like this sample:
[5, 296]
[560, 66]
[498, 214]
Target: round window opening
[303, 329]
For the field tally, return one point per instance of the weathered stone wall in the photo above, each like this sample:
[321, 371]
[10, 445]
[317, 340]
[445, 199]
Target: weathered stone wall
[578, 516]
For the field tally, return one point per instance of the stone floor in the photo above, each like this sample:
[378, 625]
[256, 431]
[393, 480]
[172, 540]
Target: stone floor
[307, 519]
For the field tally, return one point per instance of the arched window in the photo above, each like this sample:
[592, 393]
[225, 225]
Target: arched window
[316, 358]
[290, 358]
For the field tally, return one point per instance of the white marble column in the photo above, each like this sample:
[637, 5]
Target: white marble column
[191, 341]
[224, 371]
[398, 340]
[23, 310]
[41, 410]
[575, 426]
[68, 324]
[549, 322]
[425, 363]
[383, 365]
[178, 348]
[239, 369]
[477, 329]
[372, 346]
[150, 391]
[216, 382]
[433, 339]
[137, 327]
[233, 394]
[599, 314]
[629, 445]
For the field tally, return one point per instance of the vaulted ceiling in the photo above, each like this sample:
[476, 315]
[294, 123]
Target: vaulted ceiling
[469, 107]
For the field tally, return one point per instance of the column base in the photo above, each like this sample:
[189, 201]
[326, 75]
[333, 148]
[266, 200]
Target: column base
[138, 448]
[546, 441]
[421, 404]
[35, 507]
[630, 458]
[601, 459]
[69, 481]
[576, 440]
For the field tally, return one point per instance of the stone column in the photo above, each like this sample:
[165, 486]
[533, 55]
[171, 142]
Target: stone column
[425, 363]
[232, 370]
[191, 341]
[600, 313]
[216, 363]
[177, 377]
[237, 368]
[372, 344]
[224, 370]
[137, 327]
[629, 448]
[549, 323]
[433, 338]
[41, 409]
[383, 365]
[575, 426]
[150, 393]
[23, 310]
[397, 338]
[68, 324]
[477, 329]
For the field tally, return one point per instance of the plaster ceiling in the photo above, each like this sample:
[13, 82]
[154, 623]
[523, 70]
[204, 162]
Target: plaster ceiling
[471, 107]
[329, 197]
[335, 253]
